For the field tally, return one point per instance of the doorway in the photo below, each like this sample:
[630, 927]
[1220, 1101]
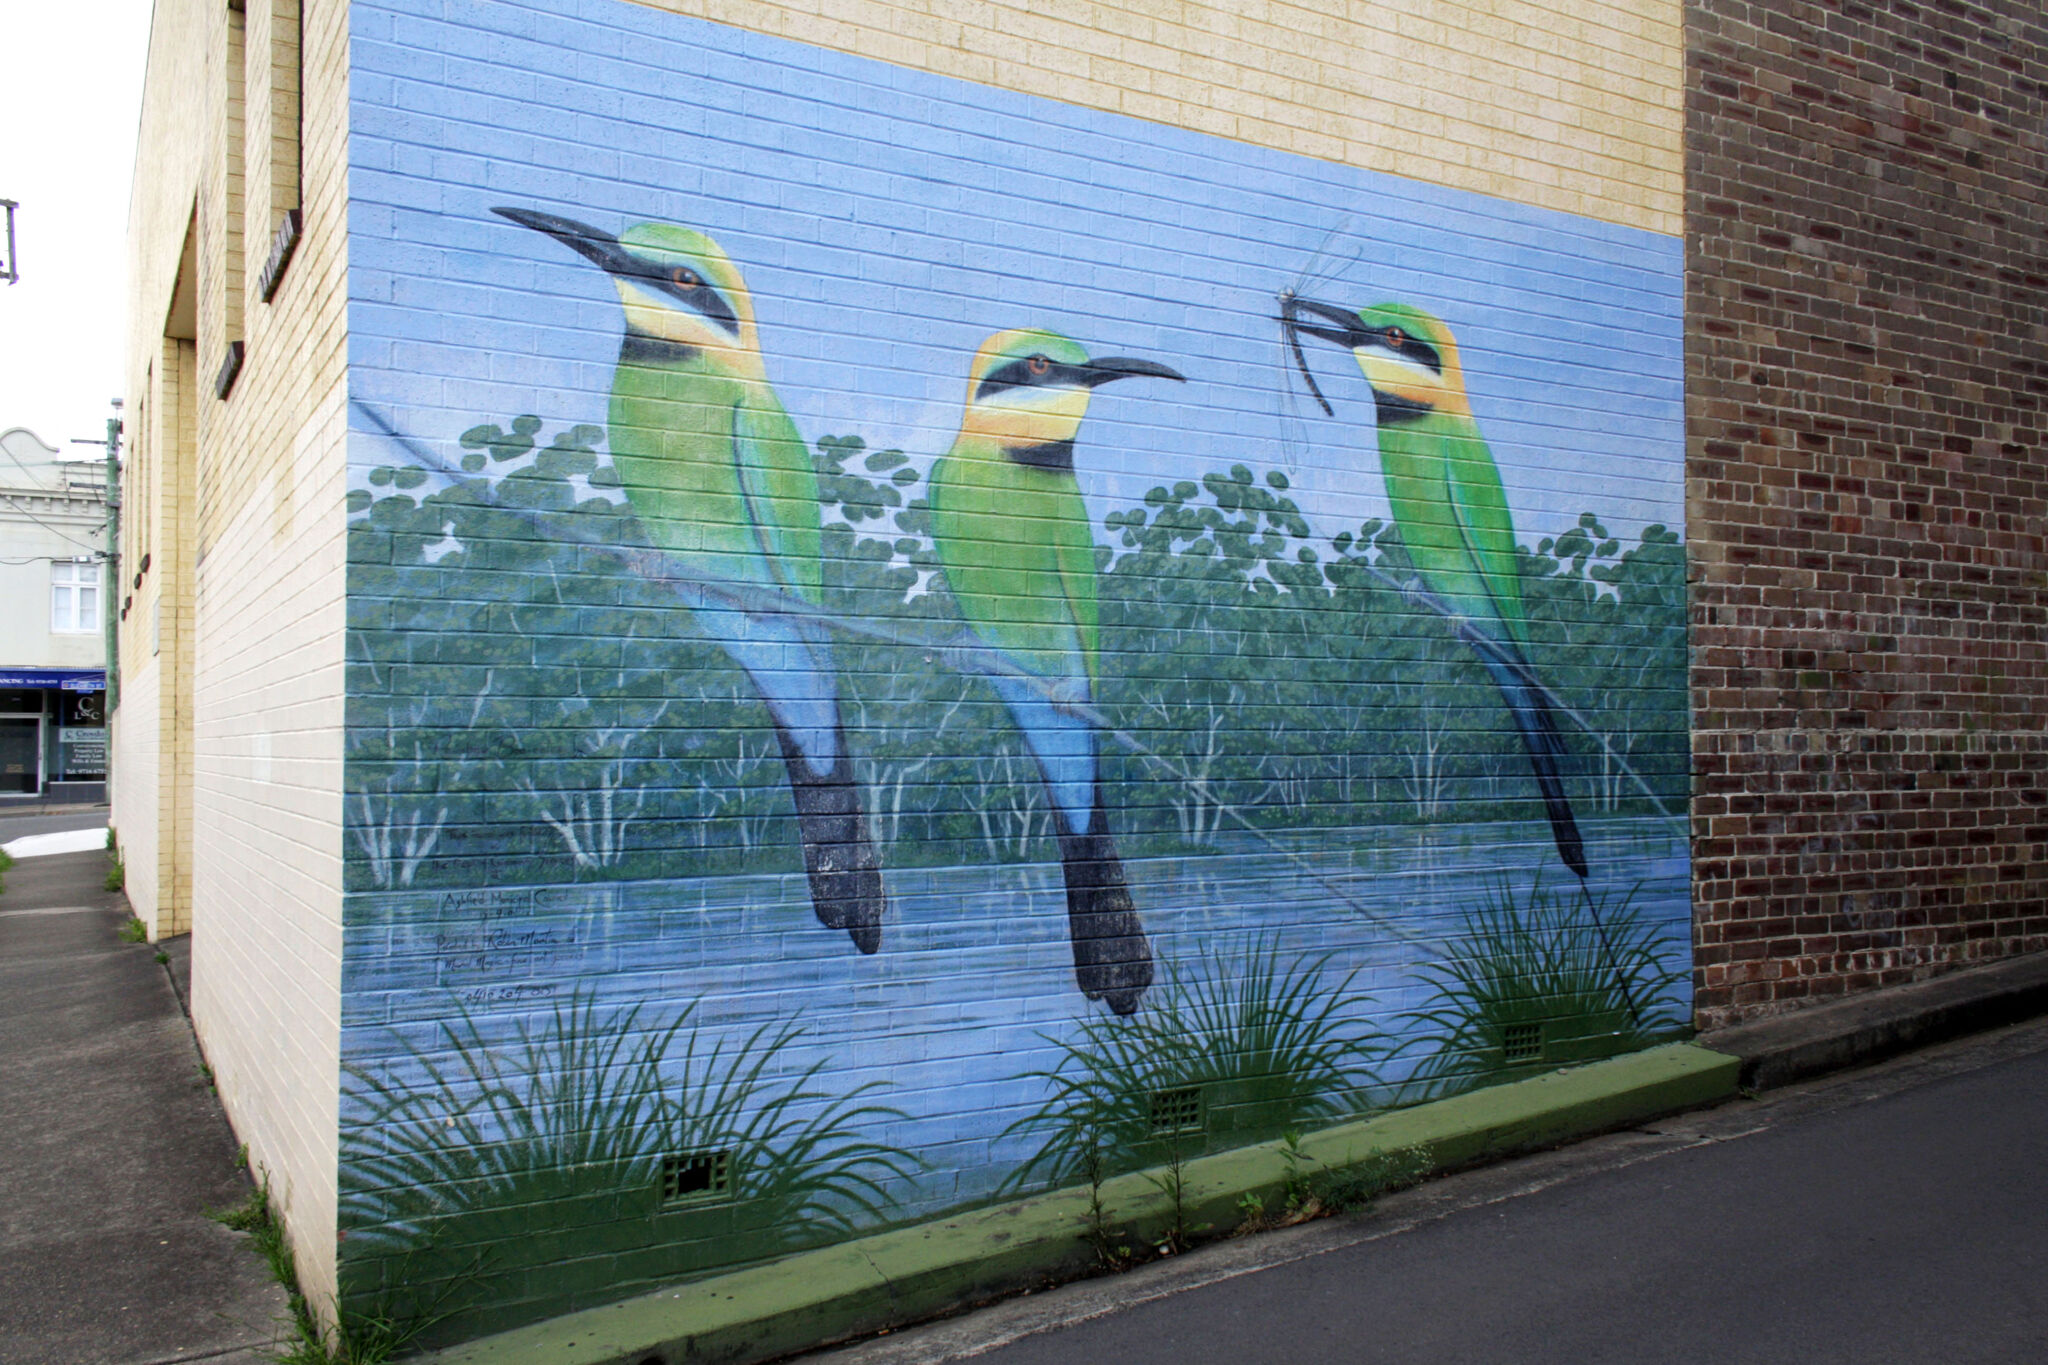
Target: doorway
[21, 752]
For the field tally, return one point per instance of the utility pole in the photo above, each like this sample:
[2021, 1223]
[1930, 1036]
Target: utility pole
[112, 591]
[110, 586]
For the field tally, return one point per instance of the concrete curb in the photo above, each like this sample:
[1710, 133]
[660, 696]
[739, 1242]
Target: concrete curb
[906, 1275]
[1864, 1029]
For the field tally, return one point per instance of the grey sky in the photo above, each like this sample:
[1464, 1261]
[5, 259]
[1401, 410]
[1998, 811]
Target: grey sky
[70, 98]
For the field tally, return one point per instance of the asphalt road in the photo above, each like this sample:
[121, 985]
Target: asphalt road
[1898, 1214]
[15, 824]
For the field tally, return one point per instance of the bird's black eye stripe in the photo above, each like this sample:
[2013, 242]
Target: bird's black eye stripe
[1019, 374]
[1409, 347]
[702, 299]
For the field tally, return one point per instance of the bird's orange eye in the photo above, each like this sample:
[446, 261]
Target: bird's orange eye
[1396, 337]
[1038, 365]
[685, 278]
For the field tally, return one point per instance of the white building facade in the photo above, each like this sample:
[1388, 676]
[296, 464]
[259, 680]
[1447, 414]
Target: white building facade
[53, 629]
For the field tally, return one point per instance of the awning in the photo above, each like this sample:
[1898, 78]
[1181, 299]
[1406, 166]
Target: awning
[68, 679]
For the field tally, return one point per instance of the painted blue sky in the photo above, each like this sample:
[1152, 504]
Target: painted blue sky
[888, 220]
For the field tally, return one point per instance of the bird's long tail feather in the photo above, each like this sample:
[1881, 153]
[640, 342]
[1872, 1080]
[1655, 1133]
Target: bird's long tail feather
[845, 871]
[1536, 719]
[1544, 740]
[1112, 957]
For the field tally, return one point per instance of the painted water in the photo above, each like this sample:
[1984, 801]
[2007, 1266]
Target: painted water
[974, 987]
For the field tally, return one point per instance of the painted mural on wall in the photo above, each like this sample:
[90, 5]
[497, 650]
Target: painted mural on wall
[909, 643]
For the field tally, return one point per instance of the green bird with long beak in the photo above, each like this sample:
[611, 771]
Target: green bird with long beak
[1013, 537]
[723, 482]
[1450, 508]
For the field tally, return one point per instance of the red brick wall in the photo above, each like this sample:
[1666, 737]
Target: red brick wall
[1867, 361]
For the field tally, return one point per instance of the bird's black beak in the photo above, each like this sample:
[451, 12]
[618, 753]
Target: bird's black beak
[1096, 373]
[594, 244]
[1345, 332]
[1291, 309]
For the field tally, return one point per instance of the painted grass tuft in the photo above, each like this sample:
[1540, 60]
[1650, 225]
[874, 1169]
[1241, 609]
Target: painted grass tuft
[540, 1161]
[1530, 985]
[1267, 1049]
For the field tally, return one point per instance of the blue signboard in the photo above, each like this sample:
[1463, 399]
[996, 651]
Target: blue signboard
[68, 679]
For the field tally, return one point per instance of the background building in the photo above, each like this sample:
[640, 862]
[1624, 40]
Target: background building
[53, 639]
[635, 571]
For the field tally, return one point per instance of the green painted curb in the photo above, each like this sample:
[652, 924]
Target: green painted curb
[908, 1274]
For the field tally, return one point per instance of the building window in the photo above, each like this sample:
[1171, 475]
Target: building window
[286, 76]
[232, 246]
[74, 597]
[277, 87]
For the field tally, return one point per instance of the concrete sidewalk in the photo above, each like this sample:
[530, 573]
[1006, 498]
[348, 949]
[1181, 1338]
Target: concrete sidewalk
[112, 1147]
[1861, 1030]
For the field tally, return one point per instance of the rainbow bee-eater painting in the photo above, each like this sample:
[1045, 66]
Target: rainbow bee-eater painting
[717, 473]
[1012, 534]
[1451, 511]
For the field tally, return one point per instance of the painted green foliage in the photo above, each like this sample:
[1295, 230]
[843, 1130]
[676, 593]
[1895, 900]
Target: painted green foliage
[524, 708]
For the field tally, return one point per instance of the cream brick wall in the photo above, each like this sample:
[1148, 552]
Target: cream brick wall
[267, 954]
[171, 628]
[135, 740]
[1572, 106]
[152, 794]
[258, 525]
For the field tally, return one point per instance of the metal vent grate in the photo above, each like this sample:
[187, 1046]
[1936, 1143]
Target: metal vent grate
[1177, 1111]
[1522, 1042]
[696, 1176]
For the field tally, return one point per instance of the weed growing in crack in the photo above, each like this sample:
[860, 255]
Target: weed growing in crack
[1354, 1187]
[1172, 1181]
[1297, 1184]
[355, 1338]
[1111, 1251]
